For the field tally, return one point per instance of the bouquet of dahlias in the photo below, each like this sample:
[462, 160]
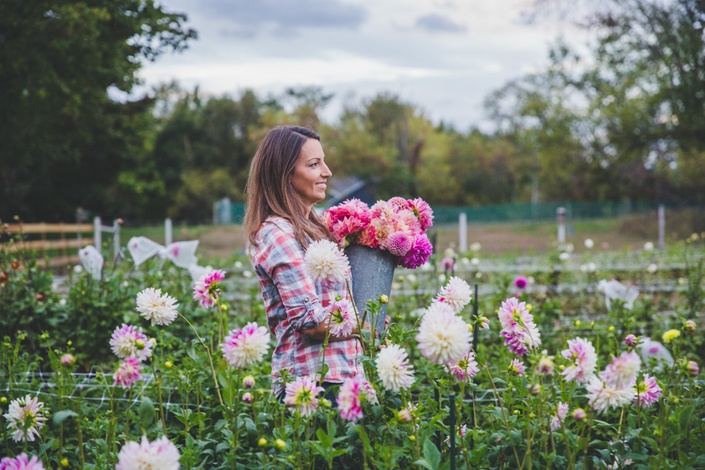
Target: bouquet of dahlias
[398, 225]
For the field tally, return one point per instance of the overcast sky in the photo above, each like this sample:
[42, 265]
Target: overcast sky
[444, 56]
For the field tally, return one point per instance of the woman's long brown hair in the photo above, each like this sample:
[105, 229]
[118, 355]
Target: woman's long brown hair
[269, 189]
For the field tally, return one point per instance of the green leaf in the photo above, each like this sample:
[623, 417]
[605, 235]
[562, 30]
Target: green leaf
[222, 447]
[146, 412]
[685, 416]
[431, 453]
[61, 416]
[324, 438]
[424, 464]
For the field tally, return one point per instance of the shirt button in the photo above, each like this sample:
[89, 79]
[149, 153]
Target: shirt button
[305, 299]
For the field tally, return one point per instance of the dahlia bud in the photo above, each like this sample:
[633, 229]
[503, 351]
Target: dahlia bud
[248, 382]
[689, 325]
[247, 397]
[262, 442]
[579, 414]
[67, 360]
[404, 416]
[630, 340]
[279, 444]
[692, 368]
[545, 365]
[384, 298]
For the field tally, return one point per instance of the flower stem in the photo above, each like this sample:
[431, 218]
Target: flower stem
[210, 359]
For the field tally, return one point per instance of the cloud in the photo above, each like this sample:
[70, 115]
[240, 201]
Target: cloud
[248, 18]
[435, 23]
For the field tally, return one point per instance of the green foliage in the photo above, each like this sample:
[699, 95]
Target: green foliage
[64, 138]
[504, 420]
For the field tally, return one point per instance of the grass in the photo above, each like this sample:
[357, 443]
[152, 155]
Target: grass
[497, 239]
[227, 242]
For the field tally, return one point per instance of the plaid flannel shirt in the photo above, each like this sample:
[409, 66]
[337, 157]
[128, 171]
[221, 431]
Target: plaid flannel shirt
[294, 302]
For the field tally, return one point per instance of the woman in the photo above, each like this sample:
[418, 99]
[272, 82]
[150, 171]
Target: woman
[288, 176]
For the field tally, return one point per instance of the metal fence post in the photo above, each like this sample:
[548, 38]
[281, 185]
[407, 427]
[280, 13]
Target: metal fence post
[463, 232]
[116, 239]
[167, 231]
[661, 227]
[97, 234]
[560, 217]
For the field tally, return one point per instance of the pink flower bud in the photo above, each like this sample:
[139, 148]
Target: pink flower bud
[404, 416]
[248, 382]
[630, 340]
[67, 360]
[247, 397]
[692, 368]
[579, 414]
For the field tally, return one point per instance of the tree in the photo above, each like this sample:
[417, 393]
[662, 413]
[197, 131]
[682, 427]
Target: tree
[63, 139]
[643, 83]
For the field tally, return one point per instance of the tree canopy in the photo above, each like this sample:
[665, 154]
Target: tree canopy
[623, 119]
[63, 137]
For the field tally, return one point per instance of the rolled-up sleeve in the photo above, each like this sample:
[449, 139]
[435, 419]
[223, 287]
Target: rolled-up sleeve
[282, 258]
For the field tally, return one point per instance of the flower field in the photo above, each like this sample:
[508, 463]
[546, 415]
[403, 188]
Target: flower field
[557, 361]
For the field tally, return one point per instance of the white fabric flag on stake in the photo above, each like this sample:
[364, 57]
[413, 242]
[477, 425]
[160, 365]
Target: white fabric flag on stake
[92, 261]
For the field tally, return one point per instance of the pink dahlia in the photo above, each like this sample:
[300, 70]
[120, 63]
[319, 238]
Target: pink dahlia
[21, 462]
[398, 203]
[623, 370]
[583, 360]
[398, 244]
[517, 367]
[346, 220]
[353, 393]
[246, 346]
[25, 418]
[161, 454]
[343, 320]
[455, 293]
[423, 211]
[464, 369]
[561, 413]
[518, 328]
[207, 288]
[368, 237]
[420, 250]
[128, 341]
[128, 372]
[647, 392]
[302, 394]
[521, 282]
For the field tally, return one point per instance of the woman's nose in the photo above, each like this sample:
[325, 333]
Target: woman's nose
[326, 171]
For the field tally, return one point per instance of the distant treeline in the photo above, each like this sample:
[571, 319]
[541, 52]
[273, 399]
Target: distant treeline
[624, 123]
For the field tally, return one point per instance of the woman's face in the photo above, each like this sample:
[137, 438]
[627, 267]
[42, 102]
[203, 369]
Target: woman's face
[311, 173]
